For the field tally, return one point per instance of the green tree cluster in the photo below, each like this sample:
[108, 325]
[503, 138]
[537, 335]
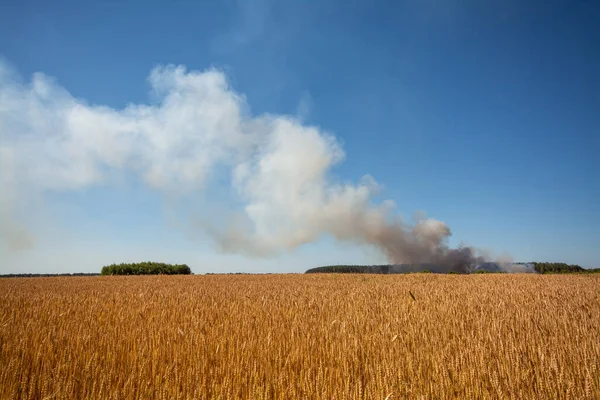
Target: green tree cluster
[146, 268]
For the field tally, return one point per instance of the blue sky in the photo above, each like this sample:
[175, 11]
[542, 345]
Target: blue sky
[484, 114]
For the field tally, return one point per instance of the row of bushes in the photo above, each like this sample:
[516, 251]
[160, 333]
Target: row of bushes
[146, 268]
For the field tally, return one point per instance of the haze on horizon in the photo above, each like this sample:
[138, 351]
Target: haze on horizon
[279, 136]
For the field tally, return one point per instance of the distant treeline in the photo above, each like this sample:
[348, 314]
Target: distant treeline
[146, 268]
[542, 268]
[370, 269]
[342, 269]
[46, 275]
[561, 268]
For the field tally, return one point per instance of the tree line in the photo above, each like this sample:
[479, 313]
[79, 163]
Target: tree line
[540, 267]
[146, 268]
[348, 269]
[47, 275]
[561, 268]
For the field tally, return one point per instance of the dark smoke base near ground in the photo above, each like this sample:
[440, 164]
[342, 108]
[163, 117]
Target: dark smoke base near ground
[488, 267]
[412, 268]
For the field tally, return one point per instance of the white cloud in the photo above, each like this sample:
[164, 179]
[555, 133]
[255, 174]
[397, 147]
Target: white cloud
[52, 141]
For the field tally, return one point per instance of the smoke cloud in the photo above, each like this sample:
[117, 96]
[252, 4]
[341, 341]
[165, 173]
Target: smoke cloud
[279, 167]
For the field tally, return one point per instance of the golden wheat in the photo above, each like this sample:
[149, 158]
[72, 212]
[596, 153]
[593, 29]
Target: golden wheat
[300, 336]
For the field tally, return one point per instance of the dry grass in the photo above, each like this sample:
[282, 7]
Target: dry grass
[301, 336]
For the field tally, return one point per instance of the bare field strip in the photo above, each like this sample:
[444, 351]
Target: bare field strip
[301, 336]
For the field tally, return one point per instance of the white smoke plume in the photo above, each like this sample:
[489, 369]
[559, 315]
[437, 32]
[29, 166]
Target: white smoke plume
[279, 167]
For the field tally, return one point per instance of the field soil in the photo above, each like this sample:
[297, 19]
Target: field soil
[316, 336]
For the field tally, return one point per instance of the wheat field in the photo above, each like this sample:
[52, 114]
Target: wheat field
[416, 336]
